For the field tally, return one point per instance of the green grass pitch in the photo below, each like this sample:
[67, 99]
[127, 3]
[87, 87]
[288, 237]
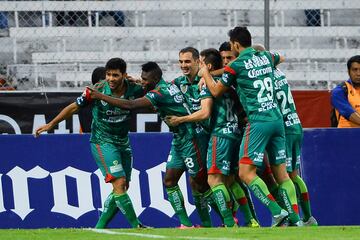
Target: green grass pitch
[316, 233]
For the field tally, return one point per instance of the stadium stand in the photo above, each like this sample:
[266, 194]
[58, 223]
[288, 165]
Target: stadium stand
[155, 30]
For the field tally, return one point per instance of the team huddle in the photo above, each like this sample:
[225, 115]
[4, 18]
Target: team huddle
[235, 130]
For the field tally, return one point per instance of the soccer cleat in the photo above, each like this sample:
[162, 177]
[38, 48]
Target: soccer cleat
[235, 218]
[278, 219]
[311, 222]
[297, 224]
[252, 224]
[143, 226]
[182, 226]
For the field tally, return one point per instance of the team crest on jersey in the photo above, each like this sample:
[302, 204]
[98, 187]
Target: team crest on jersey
[183, 88]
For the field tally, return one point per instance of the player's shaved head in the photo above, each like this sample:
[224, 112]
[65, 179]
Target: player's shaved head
[152, 68]
[258, 47]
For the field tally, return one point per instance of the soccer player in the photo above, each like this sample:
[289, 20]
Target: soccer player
[294, 136]
[167, 99]
[226, 54]
[252, 76]
[109, 139]
[222, 155]
[188, 84]
[85, 116]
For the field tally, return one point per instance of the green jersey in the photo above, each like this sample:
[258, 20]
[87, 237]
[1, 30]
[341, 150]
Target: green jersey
[287, 104]
[223, 121]
[192, 97]
[110, 124]
[167, 100]
[251, 73]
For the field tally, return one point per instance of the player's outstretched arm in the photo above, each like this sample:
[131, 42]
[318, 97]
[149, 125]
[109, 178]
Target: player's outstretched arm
[122, 103]
[64, 114]
[202, 114]
[217, 89]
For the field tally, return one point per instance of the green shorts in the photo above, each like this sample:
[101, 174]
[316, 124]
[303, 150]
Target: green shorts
[113, 161]
[188, 156]
[223, 155]
[261, 136]
[293, 151]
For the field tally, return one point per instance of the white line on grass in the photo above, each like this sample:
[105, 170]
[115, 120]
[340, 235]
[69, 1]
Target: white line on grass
[106, 231]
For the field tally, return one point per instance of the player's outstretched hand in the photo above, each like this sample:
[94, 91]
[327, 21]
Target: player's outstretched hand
[134, 80]
[43, 128]
[93, 93]
[172, 121]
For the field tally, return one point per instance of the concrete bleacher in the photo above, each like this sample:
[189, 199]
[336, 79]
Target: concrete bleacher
[156, 30]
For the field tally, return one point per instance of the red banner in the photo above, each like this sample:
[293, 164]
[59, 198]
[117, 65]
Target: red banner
[313, 108]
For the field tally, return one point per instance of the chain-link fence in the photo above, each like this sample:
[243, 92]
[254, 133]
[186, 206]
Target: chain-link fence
[55, 45]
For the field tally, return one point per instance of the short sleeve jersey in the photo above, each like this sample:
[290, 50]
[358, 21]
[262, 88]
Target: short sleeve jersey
[110, 124]
[167, 99]
[223, 121]
[252, 76]
[192, 97]
[286, 103]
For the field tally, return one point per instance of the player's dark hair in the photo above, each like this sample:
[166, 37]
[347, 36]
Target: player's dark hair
[154, 68]
[116, 63]
[213, 57]
[193, 51]
[225, 46]
[240, 35]
[98, 74]
[351, 60]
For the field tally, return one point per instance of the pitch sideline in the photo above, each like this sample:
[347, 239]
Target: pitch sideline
[106, 231]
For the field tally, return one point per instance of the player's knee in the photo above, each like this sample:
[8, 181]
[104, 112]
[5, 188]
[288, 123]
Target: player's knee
[169, 182]
[120, 185]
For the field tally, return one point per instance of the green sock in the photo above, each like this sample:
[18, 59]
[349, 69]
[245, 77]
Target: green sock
[288, 193]
[176, 199]
[202, 209]
[123, 202]
[274, 190]
[262, 193]
[211, 201]
[222, 198]
[110, 209]
[241, 199]
[304, 199]
[250, 201]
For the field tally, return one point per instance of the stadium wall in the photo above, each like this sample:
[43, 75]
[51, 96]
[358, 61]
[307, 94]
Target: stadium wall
[53, 182]
[22, 112]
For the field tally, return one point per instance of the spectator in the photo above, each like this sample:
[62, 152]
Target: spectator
[313, 17]
[345, 97]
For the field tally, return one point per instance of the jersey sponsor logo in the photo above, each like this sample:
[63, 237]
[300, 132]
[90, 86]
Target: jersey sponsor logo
[267, 106]
[256, 61]
[178, 98]
[253, 73]
[258, 157]
[292, 119]
[173, 90]
[116, 167]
